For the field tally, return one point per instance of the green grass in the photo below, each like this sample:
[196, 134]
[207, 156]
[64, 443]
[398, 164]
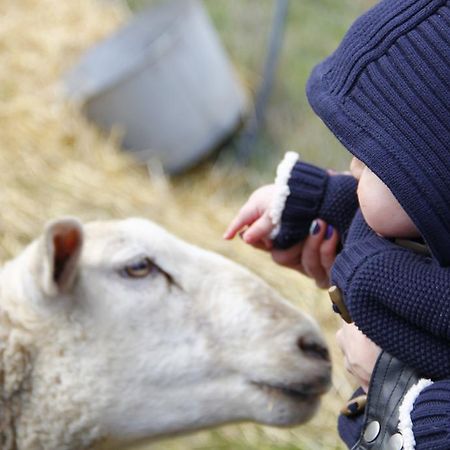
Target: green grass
[313, 30]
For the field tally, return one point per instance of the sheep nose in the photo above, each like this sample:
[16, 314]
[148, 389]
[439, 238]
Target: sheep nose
[312, 348]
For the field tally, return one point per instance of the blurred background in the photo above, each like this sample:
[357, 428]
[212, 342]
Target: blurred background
[55, 161]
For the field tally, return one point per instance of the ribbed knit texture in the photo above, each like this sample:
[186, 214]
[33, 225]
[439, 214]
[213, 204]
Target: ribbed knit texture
[385, 94]
[399, 299]
[431, 417]
[307, 186]
[315, 194]
[340, 202]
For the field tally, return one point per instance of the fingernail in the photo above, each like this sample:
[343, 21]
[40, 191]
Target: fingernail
[314, 228]
[329, 232]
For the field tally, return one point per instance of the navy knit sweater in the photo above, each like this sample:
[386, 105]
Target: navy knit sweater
[398, 298]
[385, 94]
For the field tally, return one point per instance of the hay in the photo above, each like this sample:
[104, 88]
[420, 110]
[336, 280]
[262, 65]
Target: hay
[54, 163]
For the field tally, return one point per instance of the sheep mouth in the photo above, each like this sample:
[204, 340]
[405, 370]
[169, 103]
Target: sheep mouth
[297, 391]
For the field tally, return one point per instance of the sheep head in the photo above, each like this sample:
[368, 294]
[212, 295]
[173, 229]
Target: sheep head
[128, 333]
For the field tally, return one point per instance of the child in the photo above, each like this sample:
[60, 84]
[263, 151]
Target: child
[385, 94]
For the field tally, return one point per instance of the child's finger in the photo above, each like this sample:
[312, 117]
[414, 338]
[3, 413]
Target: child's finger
[268, 243]
[245, 216]
[289, 257]
[258, 230]
[262, 245]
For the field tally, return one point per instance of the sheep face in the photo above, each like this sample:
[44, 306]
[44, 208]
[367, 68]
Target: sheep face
[132, 333]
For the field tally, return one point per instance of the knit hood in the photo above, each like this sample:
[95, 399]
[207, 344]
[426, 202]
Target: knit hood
[385, 94]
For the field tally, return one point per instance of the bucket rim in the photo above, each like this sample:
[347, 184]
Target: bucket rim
[88, 78]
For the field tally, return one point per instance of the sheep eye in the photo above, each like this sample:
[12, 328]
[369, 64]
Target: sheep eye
[139, 269]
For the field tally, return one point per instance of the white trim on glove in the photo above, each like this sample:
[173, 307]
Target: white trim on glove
[282, 192]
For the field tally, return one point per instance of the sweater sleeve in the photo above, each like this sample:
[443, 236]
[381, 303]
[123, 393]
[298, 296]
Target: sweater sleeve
[426, 423]
[400, 300]
[312, 194]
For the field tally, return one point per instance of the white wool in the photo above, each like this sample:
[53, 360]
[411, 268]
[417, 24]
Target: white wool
[405, 423]
[284, 170]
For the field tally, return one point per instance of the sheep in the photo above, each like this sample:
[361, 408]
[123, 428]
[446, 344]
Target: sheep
[118, 331]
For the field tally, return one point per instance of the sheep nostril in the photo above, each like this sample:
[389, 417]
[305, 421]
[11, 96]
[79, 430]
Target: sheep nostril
[313, 349]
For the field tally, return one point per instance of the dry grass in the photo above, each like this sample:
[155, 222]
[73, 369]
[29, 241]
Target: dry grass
[54, 163]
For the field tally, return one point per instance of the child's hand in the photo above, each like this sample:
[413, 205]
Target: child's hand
[255, 216]
[360, 353]
[314, 256]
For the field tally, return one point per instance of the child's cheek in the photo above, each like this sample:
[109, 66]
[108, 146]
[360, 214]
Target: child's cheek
[373, 216]
[381, 210]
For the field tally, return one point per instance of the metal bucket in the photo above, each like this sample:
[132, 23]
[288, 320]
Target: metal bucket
[165, 80]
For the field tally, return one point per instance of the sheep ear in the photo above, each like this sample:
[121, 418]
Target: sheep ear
[63, 241]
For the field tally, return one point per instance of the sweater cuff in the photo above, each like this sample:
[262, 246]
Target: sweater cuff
[352, 257]
[429, 416]
[306, 185]
[282, 192]
[405, 425]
